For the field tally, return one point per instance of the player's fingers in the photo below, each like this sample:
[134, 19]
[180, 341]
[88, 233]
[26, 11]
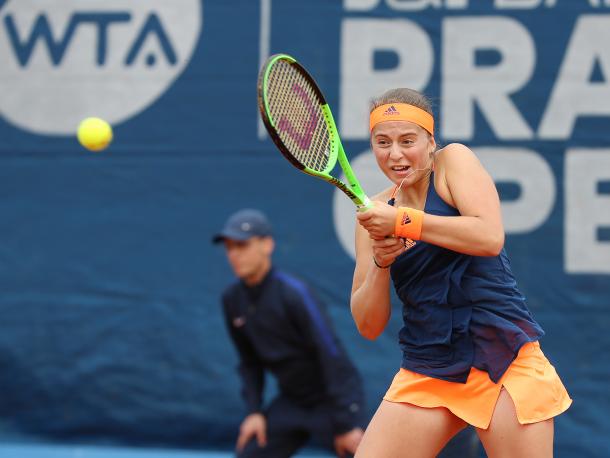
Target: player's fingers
[396, 250]
[376, 232]
[383, 258]
[365, 216]
[388, 243]
[366, 225]
[371, 214]
[387, 255]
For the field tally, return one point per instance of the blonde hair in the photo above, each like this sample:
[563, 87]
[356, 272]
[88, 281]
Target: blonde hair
[403, 95]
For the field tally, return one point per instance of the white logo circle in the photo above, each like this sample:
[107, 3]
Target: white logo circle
[373, 181]
[65, 61]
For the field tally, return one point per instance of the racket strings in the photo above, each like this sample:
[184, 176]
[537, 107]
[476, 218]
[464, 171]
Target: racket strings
[294, 112]
[299, 119]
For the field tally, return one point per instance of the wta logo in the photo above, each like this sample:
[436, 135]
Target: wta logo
[64, 61]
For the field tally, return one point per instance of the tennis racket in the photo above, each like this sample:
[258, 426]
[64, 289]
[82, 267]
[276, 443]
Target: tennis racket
[301, 124]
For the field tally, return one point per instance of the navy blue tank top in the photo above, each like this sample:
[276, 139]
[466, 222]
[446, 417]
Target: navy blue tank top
[459, 311]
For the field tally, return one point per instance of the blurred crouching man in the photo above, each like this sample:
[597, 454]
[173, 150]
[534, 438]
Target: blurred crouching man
[278, 325]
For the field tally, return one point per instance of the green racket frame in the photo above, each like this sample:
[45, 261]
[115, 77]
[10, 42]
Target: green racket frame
[352, 189]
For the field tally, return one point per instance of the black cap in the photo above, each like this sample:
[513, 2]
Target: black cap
[243, 225]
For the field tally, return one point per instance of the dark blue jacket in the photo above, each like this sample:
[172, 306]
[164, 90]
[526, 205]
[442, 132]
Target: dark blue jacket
[281, 327]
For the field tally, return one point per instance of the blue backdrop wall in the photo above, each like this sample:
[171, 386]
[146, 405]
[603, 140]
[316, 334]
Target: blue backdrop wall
[109, 304]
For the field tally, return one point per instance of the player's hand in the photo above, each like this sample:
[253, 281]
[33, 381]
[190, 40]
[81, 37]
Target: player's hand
[253, 425]
[379, 220]
[387, 250]
[348, 442]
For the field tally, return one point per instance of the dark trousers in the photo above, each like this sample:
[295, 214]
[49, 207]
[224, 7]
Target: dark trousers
[290, 427]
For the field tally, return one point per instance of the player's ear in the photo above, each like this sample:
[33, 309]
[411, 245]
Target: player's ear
[432, 142]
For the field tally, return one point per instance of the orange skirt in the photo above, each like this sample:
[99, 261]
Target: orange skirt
[531, 381]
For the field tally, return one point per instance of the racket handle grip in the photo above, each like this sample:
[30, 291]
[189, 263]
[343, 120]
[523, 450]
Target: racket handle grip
[366, 204]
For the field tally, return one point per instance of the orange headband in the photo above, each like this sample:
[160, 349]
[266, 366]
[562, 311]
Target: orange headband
[402, 112]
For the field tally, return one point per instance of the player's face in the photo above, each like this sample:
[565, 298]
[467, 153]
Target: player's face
[250, 259]
[401, 148]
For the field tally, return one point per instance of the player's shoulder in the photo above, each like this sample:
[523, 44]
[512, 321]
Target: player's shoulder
[453, 152]
[454, 157]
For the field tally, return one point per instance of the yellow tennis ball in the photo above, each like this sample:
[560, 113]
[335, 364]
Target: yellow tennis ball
[95, 134]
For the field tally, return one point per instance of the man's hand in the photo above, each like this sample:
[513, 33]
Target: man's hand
[253, 425]
[348, 442]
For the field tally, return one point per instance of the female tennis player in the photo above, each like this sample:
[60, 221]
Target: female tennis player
[470, 345]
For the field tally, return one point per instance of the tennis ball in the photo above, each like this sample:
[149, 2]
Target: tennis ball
[95, 134]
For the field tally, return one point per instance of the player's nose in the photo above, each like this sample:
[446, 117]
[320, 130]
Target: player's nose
[395, 151]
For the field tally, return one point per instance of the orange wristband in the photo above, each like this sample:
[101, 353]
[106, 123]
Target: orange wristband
[408, 223]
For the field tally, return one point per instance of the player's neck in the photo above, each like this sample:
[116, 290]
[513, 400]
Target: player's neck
[414, 196]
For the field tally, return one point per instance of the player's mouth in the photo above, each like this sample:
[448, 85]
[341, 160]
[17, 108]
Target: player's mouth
[401, 170]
